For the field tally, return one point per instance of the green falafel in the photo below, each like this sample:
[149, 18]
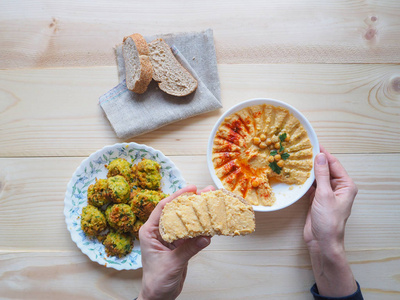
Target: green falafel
[118, 189]
[148, 174]
[120, 217]
[97, 193]
[144, 202]
[93, 221]
[118, 244]
[121, 167]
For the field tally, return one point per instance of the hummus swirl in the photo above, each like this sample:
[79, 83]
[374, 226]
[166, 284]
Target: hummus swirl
[257, 145]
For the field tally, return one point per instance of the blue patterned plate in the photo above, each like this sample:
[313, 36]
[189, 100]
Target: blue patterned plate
[85, 174]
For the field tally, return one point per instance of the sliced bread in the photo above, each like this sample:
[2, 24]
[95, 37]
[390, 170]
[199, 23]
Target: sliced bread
[213, 213]
[138, 67]
[172, 78]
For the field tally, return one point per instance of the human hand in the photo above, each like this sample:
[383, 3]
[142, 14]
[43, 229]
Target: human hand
[330, 207]
[164, 264]
[331, 203]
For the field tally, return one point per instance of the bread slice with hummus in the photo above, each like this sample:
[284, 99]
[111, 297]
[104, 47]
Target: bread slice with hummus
[139, 70]
[213, 213]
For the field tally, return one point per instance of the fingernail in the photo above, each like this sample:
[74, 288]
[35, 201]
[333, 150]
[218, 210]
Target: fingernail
[321, 159]
[203, 242]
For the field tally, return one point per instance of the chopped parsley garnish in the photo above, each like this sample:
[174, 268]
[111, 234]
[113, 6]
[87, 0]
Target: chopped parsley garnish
[274, 167]
[273, 153]
[281, 148]
[285, 156]
[283, 136]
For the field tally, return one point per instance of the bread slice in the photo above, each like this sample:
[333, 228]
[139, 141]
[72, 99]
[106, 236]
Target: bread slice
[213, 213]
[138, 67]
[172, 78]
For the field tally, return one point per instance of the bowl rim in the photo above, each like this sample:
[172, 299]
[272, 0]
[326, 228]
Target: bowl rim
[257, 101]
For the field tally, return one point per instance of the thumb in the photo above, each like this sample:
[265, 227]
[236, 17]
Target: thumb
[191, 247]
[322, 175]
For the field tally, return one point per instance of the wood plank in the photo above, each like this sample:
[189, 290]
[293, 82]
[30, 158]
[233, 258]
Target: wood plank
[278, 274]
[32, 193]
[55, 112]
[83, 33]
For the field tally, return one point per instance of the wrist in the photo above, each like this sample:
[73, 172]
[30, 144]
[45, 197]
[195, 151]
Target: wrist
[327, 250]
[331, 269]
[145, 294]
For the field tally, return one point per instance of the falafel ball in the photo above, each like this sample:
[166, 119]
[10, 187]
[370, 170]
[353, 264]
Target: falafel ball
[97, 193]
[136, 228]
[148, 174]
[118, 189]
[118, 244]
[93, 221]
[120, 217]
[144, 202]
[121, 167]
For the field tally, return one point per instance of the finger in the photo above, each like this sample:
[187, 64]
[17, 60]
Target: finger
[190, 248]
[322, 175]
[335, 167]
[154, 218]
[207, 189]
[322, 149]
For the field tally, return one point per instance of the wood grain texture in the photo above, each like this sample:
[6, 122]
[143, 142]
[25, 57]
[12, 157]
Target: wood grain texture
[338, 62]
[281, 274]
[32, 203]
[83, 33]
[55, 112]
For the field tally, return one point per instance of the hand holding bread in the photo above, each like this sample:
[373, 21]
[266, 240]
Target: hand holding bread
[144, 62]
[164, 264]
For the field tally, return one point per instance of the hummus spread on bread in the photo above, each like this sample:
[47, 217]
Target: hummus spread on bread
[213, 213]
[258, 145]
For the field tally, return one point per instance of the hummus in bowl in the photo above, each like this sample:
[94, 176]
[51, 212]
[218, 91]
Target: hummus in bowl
[263, 150]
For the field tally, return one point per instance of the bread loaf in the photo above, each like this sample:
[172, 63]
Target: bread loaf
[138, 67]
[172, 78]
[212, 213]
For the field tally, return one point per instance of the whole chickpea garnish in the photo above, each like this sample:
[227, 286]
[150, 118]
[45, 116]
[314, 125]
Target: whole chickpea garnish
[262, 145]
[255, 182]
[256, 141]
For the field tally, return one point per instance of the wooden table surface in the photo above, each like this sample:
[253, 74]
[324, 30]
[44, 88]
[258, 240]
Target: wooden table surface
[338, 62]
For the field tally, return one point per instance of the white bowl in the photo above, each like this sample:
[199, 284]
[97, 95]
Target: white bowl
[285, 194]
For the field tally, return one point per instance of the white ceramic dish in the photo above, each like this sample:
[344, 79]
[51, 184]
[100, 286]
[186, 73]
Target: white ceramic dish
[85, 174]
[285, 194]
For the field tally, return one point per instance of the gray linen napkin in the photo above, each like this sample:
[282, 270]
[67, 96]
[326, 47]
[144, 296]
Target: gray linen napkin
[131, 114]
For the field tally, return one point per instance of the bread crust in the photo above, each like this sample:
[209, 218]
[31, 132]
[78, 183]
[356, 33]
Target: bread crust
[146, 75]
[141, 44]
[145, 69]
